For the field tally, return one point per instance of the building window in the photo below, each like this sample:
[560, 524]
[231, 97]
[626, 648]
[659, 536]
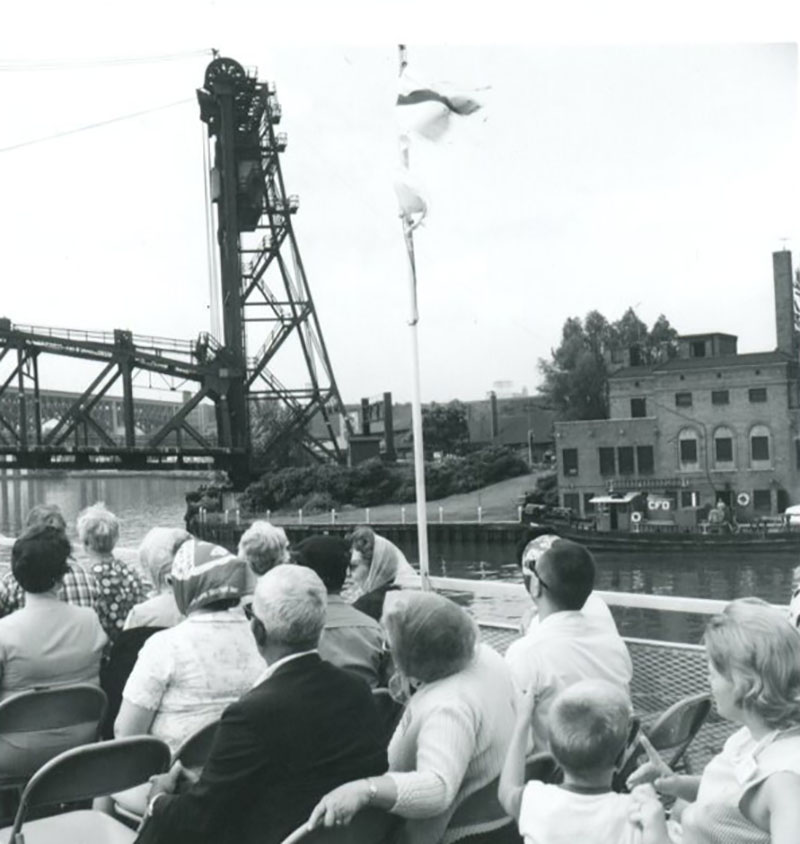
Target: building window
[759, 447]
[697, 349]
[573, 501]
[757, 395]
[687, 449]
[688, 498]
[638, 408]
[723, 448]
[625, 459]
[720, 397]
[762, 502]
[588, 507]
[608, 464]
[644, 459]
[683, 399]
[569, 462]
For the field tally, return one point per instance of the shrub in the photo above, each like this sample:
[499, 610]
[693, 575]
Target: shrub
[374, 482]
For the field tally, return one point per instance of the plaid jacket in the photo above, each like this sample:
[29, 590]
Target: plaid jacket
[78, 587]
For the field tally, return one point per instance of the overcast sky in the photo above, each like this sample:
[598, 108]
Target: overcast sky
[604, 171]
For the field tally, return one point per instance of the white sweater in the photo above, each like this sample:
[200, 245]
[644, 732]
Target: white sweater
[450, 743]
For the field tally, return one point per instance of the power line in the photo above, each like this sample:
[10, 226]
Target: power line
[22, 65]
[94, 125]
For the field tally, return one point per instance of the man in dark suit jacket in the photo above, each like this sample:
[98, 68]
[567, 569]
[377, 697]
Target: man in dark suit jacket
[305, 728]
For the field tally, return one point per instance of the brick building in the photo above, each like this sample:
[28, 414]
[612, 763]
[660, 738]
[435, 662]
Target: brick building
[709, 424]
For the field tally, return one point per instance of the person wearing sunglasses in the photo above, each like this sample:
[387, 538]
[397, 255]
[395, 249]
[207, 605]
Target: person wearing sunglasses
[573, 636]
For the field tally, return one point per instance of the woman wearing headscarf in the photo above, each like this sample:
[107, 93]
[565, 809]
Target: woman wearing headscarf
[375, 566]
[185, 676]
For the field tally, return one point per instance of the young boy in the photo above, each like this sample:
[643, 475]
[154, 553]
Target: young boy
[588, 725]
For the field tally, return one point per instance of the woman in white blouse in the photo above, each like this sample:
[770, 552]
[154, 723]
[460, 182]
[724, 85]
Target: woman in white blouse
[185, 676]
[748, 793]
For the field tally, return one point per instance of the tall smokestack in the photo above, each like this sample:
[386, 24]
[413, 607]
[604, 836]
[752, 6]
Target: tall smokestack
[784, 302]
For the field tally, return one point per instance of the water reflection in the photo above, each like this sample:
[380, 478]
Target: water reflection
[140, 501]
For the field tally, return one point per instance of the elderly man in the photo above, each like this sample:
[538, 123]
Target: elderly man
[352, 639]
[573, 636]
[305, 728]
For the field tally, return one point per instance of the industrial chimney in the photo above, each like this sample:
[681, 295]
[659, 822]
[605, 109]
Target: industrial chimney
[784, 302]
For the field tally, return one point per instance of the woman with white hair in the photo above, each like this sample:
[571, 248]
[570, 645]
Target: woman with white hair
[119, 587]
[156, 554]
[446, 754]
[263, 546]
[748, 793]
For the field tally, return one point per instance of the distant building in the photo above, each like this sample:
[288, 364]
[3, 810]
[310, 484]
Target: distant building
[708, 425]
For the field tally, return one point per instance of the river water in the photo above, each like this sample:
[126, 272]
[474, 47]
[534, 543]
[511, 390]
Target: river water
[143, 501]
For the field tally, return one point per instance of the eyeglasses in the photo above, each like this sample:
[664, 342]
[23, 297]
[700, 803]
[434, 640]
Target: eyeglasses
[529, 569]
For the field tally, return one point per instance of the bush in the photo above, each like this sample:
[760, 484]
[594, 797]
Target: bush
[374, 482]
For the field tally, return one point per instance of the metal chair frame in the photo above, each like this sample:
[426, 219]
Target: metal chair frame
[41, 710]
[93, 770]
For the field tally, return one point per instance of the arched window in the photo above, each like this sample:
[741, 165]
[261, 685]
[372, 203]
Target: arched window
[760, 447]
[688, 450]
[724, 448]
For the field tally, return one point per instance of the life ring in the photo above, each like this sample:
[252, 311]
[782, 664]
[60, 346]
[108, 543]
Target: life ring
[652, 504]
[665, 505]
[743, 499]
[636, 517]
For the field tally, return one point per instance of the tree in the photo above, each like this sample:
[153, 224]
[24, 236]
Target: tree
[445, 429]
[576, 376]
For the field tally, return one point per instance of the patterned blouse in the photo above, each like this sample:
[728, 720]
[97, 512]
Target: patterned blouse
[189, 673]
[119, 587]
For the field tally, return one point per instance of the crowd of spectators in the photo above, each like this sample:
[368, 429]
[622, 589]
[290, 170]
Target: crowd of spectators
[290, 649]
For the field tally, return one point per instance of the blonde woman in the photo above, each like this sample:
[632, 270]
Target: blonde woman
[749, 793]
[119, 587]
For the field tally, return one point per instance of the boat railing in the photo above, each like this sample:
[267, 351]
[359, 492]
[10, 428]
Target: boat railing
[663, 672]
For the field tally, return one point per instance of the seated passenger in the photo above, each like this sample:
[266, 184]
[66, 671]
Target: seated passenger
[119, 587]
[185, 676]
[448, 750]
[588, 728]
[794, 602]
[375, 564]
[156, 554]
[262, 546]
[78, 586]
[48, 642]
[351, 639]
[572, 637]
[749, 791]
[306, 727]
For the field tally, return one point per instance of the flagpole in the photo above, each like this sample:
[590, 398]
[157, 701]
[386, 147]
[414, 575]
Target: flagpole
[416, 401]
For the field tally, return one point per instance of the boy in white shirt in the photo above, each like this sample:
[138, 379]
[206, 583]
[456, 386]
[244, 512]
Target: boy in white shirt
[588, 725]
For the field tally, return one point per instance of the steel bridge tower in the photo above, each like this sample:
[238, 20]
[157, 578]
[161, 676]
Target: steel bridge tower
[262, 281]
[261, 272]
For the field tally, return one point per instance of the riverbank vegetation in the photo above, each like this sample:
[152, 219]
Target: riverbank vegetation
[374, 482]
